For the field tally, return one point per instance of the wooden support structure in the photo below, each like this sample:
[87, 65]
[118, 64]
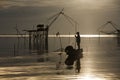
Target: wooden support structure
[38, 39]
[41, 33]
[30, 45]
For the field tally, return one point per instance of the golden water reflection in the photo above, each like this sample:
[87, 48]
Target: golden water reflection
[83, 77]
[89, 77]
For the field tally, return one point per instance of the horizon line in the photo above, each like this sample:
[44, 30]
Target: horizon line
[82, 35]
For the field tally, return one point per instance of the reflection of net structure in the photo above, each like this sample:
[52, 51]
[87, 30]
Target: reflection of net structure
[109, 28]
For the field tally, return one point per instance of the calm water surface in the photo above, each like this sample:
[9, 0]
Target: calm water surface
[101, 61]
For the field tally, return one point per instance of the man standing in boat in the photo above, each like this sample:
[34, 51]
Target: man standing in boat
[74, 55]
[78, 52]
[78, 40]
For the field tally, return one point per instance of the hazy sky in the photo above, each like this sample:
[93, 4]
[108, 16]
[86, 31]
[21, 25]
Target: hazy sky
[90, 14]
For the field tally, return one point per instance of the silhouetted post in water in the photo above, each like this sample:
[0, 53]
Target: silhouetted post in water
[30, 45]
[34, 40]
[14, 50]
[58, 34]
[118, 37]
[46, 39]
[69, 38]
[30, 38]
[78, 40]
[44, 30]
[24, 41]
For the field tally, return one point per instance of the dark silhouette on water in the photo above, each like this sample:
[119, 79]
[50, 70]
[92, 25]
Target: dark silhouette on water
[74, 56]
[71, 55]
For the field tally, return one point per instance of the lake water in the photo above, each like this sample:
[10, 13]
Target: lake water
[101, 61]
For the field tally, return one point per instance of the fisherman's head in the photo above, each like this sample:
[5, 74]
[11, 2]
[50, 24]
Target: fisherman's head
[77, 33]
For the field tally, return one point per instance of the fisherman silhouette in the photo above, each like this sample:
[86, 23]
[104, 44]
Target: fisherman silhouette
[78, 40]
[74, 55]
